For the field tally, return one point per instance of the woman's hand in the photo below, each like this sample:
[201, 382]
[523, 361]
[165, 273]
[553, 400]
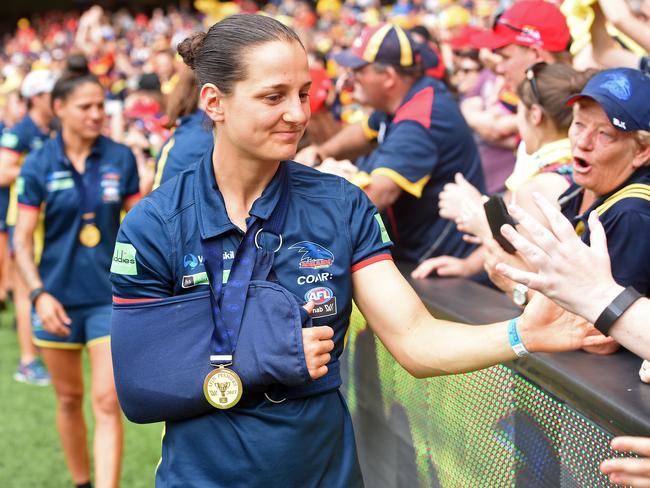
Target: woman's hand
[494, 254]
[52, 314]
[546, 327]
[562, 259]
[447, 266]
[317, 344]
[606, 345]
[629, 471]
[463, 203]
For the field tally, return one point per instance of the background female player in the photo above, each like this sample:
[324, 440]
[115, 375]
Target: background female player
[78, 184]
[254, 86]
[192, 138]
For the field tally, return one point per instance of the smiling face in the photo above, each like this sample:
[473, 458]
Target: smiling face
[266, 114]
[82, 111]
[603, 156]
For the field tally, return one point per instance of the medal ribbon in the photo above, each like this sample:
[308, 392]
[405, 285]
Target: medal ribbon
[229, 301]
[88, 193]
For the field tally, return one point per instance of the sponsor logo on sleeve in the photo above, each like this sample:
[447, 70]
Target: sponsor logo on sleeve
[9, 140]
[313, 256]
[124, 259]
[324, 301]
[382, 228]
[20, 185]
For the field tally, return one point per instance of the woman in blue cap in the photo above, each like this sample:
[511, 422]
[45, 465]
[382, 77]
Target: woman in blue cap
[197, 236]
[76, 186]
[610, 145]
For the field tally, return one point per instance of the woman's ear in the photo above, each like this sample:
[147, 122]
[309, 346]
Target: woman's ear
[642, 156]
[211, 100]
[57, 105]
[536, 114]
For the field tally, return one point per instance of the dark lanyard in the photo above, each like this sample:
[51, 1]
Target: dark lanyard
[88, 194]
[229, 301]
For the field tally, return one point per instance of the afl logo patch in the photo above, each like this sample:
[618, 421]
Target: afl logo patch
[319, 295]
[324, 301]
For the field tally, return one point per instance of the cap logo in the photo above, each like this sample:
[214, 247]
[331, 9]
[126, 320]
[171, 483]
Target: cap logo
[617, 85]
[532, 32]
[618, 123]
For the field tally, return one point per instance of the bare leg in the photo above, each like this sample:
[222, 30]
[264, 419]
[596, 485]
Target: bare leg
[67, 378]
[108, 418]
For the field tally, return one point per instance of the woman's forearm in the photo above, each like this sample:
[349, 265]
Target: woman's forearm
[25, 262]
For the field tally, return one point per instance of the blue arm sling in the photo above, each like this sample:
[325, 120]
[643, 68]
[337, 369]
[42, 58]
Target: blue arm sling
[163, 349]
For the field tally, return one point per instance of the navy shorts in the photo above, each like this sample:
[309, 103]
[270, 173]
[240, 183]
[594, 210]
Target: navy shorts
[90, 325]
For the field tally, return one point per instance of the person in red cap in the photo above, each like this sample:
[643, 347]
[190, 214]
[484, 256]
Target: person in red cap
[422, 141]
[527, 33]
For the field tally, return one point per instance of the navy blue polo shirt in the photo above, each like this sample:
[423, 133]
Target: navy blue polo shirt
[627, 226]
[331, 231]
[191, 139]
[421, 147]
[22, 138]
[77, 275]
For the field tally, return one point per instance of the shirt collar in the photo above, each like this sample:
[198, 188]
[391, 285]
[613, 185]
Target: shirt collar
[641, 175]
[554, 152]
[210, 208]
[59, 148]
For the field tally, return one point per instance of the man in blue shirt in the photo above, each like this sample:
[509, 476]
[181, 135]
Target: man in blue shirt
[26, 136]
[422, 140]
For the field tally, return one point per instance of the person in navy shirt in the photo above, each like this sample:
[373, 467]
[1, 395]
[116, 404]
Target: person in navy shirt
[26, 136]
[611, 150]
[193, 136]
[255, 81]
[77, 184]
[422, 139]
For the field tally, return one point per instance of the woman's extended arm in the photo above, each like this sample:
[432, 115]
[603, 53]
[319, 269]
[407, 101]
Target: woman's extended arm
[426, 346]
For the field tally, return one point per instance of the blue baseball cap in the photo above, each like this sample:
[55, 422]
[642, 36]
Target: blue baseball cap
[384, 43]
[624, 95]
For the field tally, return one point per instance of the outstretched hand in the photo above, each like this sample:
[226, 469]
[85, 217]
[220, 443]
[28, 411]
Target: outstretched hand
[562, 260]
[546, 327]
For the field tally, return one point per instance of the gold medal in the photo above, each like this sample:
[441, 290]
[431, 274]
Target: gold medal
[222, 388]
[89, 235]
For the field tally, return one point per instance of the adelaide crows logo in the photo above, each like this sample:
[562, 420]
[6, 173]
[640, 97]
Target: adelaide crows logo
[314, 256]
[618, 85]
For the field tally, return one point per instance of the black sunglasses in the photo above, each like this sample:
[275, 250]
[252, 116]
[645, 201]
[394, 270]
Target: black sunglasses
[531, 76]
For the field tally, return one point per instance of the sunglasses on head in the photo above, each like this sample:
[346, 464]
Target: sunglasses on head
[531, 76]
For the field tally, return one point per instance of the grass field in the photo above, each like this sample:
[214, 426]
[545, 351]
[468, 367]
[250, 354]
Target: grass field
[30, 453]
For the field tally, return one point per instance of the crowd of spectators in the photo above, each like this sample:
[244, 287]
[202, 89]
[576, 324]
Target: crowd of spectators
[430, 106]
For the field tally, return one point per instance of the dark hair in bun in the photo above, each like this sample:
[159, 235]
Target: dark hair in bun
[76, 73]
[217, 56]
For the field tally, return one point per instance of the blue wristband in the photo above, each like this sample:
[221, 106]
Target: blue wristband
[514, 339]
